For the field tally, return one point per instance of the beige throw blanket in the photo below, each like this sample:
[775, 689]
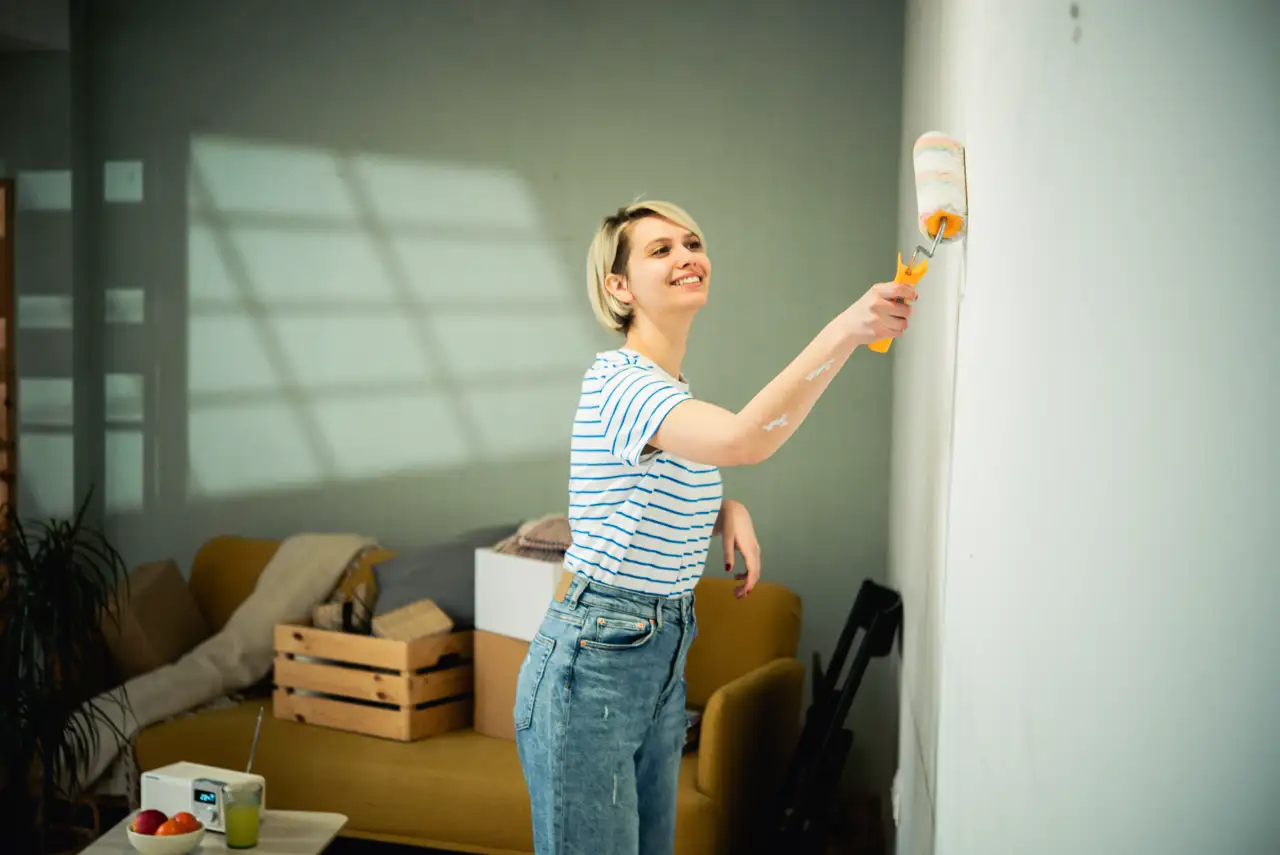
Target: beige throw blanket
[301, 574]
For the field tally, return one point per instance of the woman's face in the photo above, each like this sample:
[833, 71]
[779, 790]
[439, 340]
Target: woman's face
[667, 268]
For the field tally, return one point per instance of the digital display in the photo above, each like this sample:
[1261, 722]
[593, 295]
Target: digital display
[208, 797]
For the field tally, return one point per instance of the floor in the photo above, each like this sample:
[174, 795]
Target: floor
[348, 846]
[351, 846]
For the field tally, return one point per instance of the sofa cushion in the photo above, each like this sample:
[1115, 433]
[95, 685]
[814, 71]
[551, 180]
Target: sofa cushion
[153, 619]
[455, 788]
[443, 573]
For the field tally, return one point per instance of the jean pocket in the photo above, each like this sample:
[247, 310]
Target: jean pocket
[611, 631]
[529, 678]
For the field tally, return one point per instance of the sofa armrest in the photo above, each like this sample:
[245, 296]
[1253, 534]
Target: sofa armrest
[749, 731]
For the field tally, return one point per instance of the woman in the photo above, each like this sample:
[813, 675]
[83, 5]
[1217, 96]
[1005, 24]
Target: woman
[600, 699]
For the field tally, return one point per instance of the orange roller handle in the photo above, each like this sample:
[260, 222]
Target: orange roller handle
[905, 276]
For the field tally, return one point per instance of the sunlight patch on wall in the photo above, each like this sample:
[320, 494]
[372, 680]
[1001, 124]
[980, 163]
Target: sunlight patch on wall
[242, 177]
[46, 486]
[125, 470]
[44, 190]
[46, 401]
[240, 447]
[46, 447]
[392, 433]
[239, 267]
[124, 397]
[45, 311]
[356, 316]
[452, 271]
[125, 306]
[407, 192]
[322, 352]
[124, 453]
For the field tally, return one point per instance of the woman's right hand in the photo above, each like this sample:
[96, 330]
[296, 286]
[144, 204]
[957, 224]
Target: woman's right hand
[711, 435]
[880, 313]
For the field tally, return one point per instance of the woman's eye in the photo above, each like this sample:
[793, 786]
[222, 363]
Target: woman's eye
[694, 244]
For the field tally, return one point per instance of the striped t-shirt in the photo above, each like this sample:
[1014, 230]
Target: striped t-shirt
[641, 520]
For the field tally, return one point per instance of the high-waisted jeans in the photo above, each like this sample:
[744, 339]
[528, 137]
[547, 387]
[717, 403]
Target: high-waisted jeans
[600, 720]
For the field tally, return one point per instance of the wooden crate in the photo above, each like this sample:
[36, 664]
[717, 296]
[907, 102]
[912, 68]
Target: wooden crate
[403, 690]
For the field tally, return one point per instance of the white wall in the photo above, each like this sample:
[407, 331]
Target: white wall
[924, 378]
[1112, 560]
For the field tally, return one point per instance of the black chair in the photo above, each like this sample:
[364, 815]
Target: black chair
[807, 803]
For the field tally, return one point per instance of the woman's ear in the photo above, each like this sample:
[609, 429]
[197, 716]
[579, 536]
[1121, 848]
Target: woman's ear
[617, 286]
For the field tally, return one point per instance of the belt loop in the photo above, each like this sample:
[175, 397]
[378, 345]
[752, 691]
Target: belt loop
[575, 591]
[657, 609]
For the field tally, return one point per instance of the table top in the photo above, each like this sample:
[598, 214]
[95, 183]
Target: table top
[283, 832]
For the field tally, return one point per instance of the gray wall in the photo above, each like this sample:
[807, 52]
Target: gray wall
[35, 150]
[34, 25]
[351, 296]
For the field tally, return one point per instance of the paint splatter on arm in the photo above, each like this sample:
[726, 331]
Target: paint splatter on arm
[823, 367]
[780, 421]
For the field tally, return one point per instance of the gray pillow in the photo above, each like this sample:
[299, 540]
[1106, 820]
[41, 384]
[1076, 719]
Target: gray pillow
[444, 572]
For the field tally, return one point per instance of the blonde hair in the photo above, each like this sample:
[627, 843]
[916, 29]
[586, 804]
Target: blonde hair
[610, 249]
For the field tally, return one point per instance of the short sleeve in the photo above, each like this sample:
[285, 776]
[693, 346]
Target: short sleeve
[634, 403]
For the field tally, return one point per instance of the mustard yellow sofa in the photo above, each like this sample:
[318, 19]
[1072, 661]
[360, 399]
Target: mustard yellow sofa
[464, 792]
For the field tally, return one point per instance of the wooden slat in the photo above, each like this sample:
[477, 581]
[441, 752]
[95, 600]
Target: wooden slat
[341, 646]
[435, 685]
[427, 652]
[402, 725]
[441, 719]
[349, 682]
[389, 724]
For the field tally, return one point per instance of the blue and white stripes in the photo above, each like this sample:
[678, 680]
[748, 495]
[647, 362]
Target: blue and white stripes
[641, 520]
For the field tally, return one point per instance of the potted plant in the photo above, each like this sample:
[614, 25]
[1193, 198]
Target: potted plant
[57, 580]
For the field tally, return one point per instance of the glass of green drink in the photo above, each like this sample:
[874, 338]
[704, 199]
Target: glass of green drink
[241, 813]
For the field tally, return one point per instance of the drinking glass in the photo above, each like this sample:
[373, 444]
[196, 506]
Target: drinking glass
[241, 812]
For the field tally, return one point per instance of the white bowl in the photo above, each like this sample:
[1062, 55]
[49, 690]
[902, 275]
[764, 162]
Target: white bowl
[172, 844]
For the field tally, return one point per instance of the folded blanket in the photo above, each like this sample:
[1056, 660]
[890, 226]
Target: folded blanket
[300, 575]
[545, 538]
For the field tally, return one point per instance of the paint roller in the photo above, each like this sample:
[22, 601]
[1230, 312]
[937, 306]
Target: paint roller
[942, 202]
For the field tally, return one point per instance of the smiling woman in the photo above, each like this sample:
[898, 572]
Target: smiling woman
[620, 281]
[600, 698]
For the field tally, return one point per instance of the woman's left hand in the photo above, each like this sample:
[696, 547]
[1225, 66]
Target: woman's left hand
[739, 536]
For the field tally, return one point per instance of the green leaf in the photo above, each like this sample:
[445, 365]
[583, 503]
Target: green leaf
[58, 581]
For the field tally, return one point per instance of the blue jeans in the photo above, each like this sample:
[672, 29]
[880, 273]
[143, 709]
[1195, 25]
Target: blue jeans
[600, 721]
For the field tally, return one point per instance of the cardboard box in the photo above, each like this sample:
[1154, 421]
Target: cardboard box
[513, 592]
[497, 665]
[512, 595]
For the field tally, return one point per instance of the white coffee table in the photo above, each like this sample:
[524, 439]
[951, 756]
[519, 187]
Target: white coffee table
[283, 832]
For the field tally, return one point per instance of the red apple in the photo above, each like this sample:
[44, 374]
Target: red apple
[147, 821]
